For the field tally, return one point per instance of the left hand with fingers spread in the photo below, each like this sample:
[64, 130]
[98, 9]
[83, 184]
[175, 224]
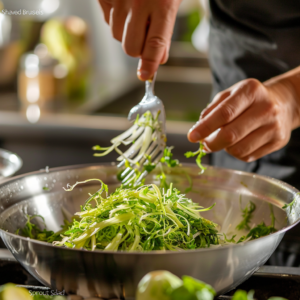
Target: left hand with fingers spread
[251, 119]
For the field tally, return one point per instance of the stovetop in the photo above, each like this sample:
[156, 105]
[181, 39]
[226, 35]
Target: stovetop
[268, 281]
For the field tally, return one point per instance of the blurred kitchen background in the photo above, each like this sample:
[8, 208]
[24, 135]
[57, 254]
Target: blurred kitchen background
[66, 85]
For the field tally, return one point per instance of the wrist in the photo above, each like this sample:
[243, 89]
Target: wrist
[287, 95]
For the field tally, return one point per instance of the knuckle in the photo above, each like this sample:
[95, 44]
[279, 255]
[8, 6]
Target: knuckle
[227, 113]
[236, 152]
[251, 87]
[268, 107]
[252, 83]
[274, 109]
[156, 42]
[167, 7]
[218, 96]
[271, 109]
[229, 135]
[281, 137]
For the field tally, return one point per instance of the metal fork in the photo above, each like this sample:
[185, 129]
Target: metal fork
[149, 102]
[155, 149]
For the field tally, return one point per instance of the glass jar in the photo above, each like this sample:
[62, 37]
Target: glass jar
[41, 79]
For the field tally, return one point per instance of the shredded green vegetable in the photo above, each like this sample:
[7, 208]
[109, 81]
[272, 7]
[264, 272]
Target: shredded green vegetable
[247, 215]
[143, 219]
[290, 205]
[258, 231]
[148, 148]
[200, 153]
[147, 151]
[33, 231]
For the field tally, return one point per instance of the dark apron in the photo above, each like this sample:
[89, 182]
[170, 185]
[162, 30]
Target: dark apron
[256, 39]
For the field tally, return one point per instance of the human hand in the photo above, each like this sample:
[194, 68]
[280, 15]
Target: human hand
[250, 119]
[145, 29]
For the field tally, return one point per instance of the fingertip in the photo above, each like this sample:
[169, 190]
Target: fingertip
[143, 75]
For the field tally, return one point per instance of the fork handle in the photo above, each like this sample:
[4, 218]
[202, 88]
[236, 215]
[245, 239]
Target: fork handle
[150, 85]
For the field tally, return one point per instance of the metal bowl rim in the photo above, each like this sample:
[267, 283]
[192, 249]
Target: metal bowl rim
[155, 252]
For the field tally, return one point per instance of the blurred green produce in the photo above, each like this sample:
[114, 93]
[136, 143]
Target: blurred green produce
[157, 285]
[12, 292]
[66, 40]
[163, 285]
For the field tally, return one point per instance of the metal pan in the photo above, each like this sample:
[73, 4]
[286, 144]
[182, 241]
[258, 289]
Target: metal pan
[116, 274]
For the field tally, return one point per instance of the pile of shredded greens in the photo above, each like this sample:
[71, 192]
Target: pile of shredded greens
[143, 219]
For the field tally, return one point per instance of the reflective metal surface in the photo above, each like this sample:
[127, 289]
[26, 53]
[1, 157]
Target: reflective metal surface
[116, 275]
[10, 163]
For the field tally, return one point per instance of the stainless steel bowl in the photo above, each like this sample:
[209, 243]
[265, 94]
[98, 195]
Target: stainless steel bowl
[116, 274]
[10, 163]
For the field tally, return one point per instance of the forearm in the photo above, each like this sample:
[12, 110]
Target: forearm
[287, 86]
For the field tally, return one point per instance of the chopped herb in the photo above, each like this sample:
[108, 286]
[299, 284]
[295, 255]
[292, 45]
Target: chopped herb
[290, 205]
[247, 215]
[200, 153]
[167, 158]
[260, 230]
[45, 188]
[272, 215]
[232, 240]
[242, 239]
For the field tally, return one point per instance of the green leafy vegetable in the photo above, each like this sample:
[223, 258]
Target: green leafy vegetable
[143, 219]
[163, 285]
[247, 215]
[200, 153]
[260, 230]
[290, 205]
[243, 295]
[167, 158]
[157, 285]
[272, 215]
[33, 231]
[193, 289]
[228, 240]
[148, 147]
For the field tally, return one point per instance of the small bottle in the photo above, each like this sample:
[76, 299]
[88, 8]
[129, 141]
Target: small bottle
[41, 79]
